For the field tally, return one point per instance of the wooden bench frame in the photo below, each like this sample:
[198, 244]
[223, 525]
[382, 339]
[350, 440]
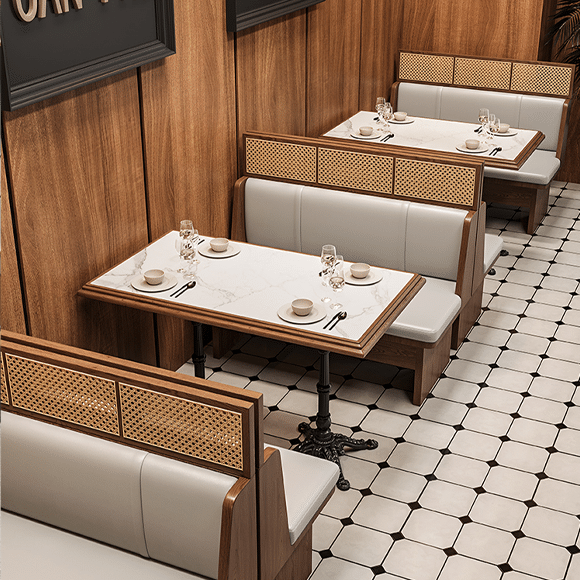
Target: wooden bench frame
[547, 79]
[255, 540]
[286, 158]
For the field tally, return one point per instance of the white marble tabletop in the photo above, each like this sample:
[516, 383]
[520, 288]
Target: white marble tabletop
[256, 282]
[435, 134]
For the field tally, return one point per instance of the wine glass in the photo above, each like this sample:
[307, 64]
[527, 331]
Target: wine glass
[187, 257]
[327, 257]
[483, 118]
[492, 123]
[186, 232]
[336, 280]
[493, 127]
[380, 107]
[388, 115]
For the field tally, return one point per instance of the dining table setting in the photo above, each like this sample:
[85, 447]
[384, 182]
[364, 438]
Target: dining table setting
[508, 148]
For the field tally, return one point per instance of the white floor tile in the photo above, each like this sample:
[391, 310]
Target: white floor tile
[542, 410]
[447, 498]
[338, 569]
[519, 361]
[486, 421]
[559, 369]
[565, 351]
[432, 528]
[498, 512]
[539, 559]
[429, 434]
[460, 567]
[528, 343]
[537, 327]
[510, 483]
[509, 380]
[477, 352]
[385, 423]
[462, 470]
[551, 526]
[413, 560]
[564, 467]
[362, 545]
[400, 485]
[484, 543]
[533, 432]
[554, 389]
[558, 495]
[382, 514]
[498, 400]
[455, 390]
[522, 456]
[415, 458]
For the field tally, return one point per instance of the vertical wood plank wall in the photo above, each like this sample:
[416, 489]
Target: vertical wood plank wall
[98, 172]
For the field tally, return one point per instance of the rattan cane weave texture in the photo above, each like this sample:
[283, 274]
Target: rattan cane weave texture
[62, 393]
[5, 399]
[489, 74]
[430, 68]
[283, 160]
[541, 78]
[184, 426]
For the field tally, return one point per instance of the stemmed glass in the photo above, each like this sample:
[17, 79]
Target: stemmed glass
[328, 258]
[483, 118]
[336, 280]
[185, 246]
[388, 115]
[380, 107]
[493, 127]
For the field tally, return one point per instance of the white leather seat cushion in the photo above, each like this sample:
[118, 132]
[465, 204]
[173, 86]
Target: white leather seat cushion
[74, 481]
[493, 247]
[540, 168]
[33, 551]
[429, 313]
[182, 513]
[307, 482]
[419, 100]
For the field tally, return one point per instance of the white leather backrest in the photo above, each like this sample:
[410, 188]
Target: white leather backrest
[459, 104]
[73, 481]
[182, 513]
[273, 214]
[419, 100]
[434, 235]
[364, 228]
[543, 114]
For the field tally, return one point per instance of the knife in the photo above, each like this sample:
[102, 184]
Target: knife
[333, 318]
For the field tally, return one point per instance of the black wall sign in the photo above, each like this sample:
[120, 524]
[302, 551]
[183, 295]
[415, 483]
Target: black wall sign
[52, 46]
[241, 14]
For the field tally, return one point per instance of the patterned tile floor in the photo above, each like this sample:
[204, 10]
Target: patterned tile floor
[482, 482]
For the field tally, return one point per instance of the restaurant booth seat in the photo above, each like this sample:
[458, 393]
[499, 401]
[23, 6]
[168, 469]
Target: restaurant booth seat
[421, 90]
[187, 489]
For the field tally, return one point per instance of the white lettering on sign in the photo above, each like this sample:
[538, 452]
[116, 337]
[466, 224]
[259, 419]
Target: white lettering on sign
[37, 8]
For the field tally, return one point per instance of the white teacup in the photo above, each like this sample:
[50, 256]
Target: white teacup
[472, 143]
[400, 116]
[360, 270]
[154, 277]
[366, 131]
[219, 244]
[302, 306]
[504, 127]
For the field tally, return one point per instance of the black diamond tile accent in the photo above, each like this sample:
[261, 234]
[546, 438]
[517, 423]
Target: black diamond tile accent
[573, 549]
[415, 505]
[450, 552]
[399, 440]
[513, 331]
[414, 417]
[493, 366]
[294, 441]
[504, 348]
[372, 407]
[551, 450]
[346, 522]
[383, 465]
[479, 490]
[569, 404]
[356, 429]
[254, 378]
[444, 451]
[561, 426]
[482, 385]
[492, 463]
[471, 406]
[465, 520]
[552, 339]
[310, 368]
[378, 570]
[530, 503]
[431, 477]
[325, 554]
[366, 491]
[292, 387]
[505, 568]
[518, 534]
[526, 394]
[541, 475]
[274, 408]
[504, 438]
[544, 356]
[332, 396]
[515, 415]
[397, 536]
[458, 427]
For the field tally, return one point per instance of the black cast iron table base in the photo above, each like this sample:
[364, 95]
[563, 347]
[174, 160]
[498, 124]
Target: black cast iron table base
[321, 441]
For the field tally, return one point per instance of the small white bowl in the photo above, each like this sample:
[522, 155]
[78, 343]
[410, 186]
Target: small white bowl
[360, 270]
[504, 127]
[154, 277]
[472, 143]
[366, 131]
[219, 244]
[400, 116]
[302, 306]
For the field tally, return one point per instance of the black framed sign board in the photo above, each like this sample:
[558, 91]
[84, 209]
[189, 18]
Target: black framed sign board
[53, 46]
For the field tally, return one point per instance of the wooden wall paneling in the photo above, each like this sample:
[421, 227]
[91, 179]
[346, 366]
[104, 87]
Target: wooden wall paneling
[189, 129]
[380, 41]
[76, 171]
[333, 64]
[271, 77]
[12, 316]
[481, 28]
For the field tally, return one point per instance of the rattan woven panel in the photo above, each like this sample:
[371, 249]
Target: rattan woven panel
[541, 78]
[183, 426]
[278, 159]
[489, 74]
[355, 170]
[430, 68]
[435, 182]
[5, 399]
[62, 393]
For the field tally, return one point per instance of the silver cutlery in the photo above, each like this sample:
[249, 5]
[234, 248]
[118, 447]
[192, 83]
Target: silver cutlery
[385, 139]
[184, 288]
[332, 319]
[200, 241]
[177, 291]
[341, 316]
[496, 150]
[478, 130]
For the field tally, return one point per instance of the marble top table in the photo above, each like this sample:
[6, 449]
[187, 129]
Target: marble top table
[244, 292]
[444, 136]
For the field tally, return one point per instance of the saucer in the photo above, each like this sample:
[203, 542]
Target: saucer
[374, 135]
[316, 315]
[205, 250]
[510, 133]
[372, 278]
[139, 284]
[405, 122]
[481, 149]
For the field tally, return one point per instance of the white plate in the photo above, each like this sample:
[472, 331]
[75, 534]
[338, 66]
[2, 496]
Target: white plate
[374, 135]
[510, 133]
[139, 284]
[481, 149]
[372, 278]
[316, 315]
[405, 122]
[205, 250]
